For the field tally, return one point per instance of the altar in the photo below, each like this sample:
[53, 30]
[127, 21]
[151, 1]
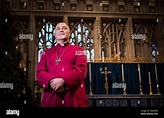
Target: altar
[129, 100]
[125, 84]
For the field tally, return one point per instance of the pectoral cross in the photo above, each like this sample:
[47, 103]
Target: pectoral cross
[57, 61]
[106, 78]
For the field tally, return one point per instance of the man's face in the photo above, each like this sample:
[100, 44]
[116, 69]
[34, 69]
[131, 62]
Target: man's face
[62, 32]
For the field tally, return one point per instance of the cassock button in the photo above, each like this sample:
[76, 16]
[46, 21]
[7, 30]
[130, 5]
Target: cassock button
[44, 85]
[62, 69]
[62, 101]
[81, 85]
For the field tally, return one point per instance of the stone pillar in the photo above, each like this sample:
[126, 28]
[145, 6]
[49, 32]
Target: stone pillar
[65, 19]
[32, 55]
[129, 49]
[97, 38]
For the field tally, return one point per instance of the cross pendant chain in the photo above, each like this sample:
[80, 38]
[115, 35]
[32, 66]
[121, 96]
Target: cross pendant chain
[58, 58]
[57, 61]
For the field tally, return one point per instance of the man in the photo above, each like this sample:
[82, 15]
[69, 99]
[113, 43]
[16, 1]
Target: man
[61, 72]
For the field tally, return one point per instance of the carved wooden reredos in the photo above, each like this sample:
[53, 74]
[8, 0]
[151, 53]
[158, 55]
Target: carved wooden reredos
[111, 25]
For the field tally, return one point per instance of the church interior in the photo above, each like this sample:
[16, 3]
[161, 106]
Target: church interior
[123, 41]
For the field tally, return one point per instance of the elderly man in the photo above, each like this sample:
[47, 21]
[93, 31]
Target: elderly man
[61, 72]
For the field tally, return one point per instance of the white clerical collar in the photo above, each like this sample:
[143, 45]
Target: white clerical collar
[62, 44]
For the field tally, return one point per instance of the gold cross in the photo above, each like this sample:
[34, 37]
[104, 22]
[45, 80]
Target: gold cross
[57, 61]
[106, 78]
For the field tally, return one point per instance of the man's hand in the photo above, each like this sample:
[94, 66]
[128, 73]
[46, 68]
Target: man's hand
[57, 84]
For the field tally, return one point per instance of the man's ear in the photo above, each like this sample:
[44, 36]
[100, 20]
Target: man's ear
[54, 33]
[69, 34]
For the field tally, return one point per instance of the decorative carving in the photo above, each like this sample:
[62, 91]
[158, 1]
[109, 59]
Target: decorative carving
[113, 41]
[57, 1]
[24, 4]
[73, 7]
[57, 6]
[73, 1]
[89, 7]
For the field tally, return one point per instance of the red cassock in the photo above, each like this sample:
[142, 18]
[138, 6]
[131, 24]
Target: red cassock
[72, 68]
